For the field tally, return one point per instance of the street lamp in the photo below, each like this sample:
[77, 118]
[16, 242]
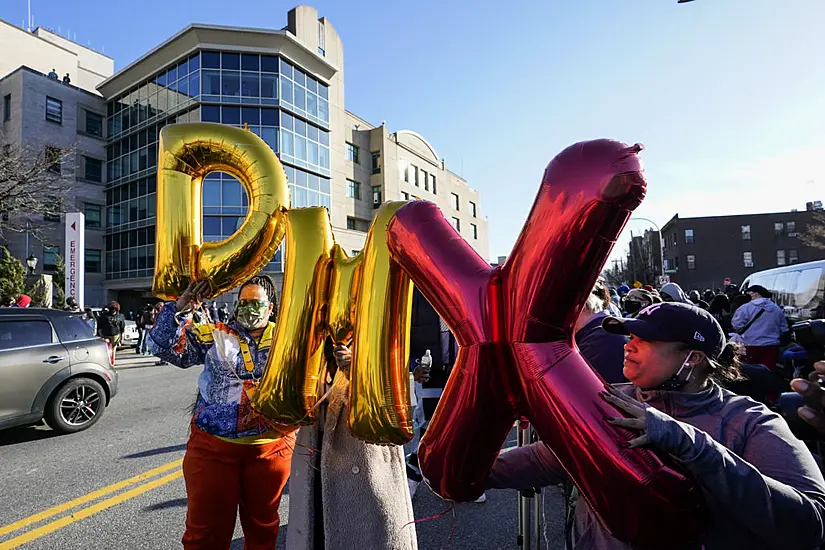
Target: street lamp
[31, 261]
[658, 230]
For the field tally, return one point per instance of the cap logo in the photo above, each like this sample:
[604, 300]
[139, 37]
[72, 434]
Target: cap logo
[698, 337]
[650, 309]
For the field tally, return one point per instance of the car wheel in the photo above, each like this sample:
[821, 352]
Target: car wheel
[76, 406]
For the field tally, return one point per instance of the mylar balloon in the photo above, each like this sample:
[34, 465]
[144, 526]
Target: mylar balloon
[186, 154]
[514, 325]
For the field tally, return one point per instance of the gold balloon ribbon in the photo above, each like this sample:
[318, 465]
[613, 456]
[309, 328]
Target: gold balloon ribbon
[187, 153]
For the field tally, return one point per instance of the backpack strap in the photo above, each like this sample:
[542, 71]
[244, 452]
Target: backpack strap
[751, 322]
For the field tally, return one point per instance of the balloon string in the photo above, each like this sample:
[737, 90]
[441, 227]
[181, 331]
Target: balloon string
[450, 508]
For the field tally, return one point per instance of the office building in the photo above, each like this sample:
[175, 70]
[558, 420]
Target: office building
[47, 115]
[701, 252]
[287, 85]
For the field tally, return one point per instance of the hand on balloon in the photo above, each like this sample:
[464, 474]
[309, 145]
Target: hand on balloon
[421, 374]
[637, 420]
[813, 412]
[192, 297]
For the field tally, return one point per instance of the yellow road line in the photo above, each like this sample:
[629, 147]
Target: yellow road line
[88, 511]
[94, 495]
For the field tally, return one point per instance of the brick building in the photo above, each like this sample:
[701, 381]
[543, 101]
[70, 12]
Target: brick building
[699, 253]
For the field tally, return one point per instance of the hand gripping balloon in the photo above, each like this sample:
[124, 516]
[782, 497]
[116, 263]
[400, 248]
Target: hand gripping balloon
[514, 325]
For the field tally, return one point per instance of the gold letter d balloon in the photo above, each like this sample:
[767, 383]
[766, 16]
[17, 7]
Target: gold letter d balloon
[188, 152]
[363, 301]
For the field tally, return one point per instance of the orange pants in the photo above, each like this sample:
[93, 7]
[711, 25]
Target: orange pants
[222, 477]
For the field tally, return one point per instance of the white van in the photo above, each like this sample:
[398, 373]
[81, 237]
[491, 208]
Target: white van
[799, 289]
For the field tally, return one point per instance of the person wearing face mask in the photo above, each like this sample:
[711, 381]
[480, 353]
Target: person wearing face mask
[235, 460]
[636, 300]
[762, 487]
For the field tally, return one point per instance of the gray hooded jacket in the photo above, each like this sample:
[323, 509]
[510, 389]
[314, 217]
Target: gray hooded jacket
[761, 484]
[675, 291]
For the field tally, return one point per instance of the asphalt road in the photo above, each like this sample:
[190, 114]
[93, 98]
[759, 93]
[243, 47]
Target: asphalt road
[143, 433]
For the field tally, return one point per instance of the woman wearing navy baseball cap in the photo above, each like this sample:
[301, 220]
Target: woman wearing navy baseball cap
[762, 486]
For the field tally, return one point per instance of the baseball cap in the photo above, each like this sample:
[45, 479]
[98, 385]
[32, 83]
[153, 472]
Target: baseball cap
[673, 322]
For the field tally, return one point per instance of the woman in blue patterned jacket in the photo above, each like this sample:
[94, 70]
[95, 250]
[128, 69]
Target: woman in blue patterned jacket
[235, 461]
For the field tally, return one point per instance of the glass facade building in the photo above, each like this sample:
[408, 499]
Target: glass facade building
[277, 100]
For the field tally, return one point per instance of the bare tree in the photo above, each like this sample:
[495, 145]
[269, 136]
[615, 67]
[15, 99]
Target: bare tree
[814, 234]
[34, 183]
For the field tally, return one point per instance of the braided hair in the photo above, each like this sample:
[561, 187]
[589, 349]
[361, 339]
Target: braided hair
[265, 282]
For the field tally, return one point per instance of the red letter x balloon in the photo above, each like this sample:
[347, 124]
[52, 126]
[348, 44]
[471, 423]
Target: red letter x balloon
[514, 325]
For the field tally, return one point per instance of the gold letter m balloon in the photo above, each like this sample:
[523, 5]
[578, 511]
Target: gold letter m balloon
[188, 152]
[364, 301]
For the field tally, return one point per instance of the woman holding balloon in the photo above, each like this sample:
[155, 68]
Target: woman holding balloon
[235, 460]
[761, 485]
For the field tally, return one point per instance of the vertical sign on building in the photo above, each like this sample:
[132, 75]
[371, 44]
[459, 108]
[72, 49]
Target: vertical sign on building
[75, 246]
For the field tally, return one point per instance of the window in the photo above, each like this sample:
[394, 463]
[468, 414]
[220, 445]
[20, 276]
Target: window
[675, 243]
[793, 256]
[688, 236]
[54, 110]
[405, 195]
[376, 162]
[376, 196]
[52, 156]
[747, 259]
[71, 328]
[93, 215]
[473, 209]
[790, 227]
[676, 263]
[432, 180]
[50, 257]
[352, 152]
[322, 39]
[415, 175]
[778, 229]
[407, 173]
[94, 124]
[780, 257]
[455, 200]
[92, 261]
[94, 169]
[358, 225]
[6, 107]
[474, 229]
[691, 261]
[22, 334]
[456, 224]
[746, 235]
[353, 190]
[425, 177]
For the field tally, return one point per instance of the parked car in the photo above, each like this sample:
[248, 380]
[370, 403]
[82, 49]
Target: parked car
[52, 368]
[130, 334]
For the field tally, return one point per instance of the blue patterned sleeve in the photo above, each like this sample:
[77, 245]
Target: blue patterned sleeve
[166, 336]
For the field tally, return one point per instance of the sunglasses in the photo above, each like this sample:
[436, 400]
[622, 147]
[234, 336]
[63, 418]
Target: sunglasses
[253, 303]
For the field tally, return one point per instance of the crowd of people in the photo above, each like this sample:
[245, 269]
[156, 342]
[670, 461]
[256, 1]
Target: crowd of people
[670, 361]
[667, 356]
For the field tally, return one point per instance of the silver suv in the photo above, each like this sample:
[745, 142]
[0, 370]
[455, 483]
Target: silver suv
[52, 367]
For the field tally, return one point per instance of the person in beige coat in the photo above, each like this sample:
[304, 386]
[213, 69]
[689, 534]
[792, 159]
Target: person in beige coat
[345, 494]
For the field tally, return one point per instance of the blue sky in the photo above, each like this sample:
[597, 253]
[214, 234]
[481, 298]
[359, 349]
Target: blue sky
[728, 96]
